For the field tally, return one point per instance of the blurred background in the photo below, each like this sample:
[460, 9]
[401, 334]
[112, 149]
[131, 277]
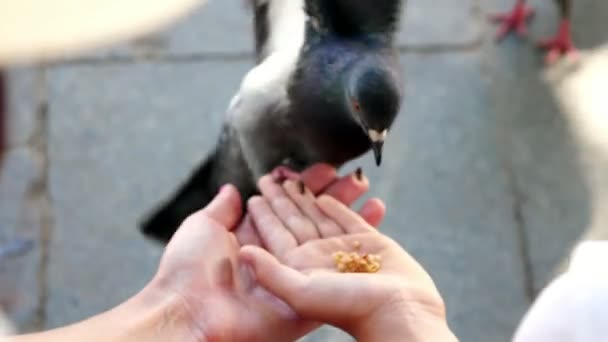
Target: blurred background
[495, 168]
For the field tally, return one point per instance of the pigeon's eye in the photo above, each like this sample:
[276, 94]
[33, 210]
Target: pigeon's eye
[356, 105]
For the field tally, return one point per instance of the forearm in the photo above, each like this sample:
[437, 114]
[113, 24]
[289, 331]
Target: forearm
[145, 317]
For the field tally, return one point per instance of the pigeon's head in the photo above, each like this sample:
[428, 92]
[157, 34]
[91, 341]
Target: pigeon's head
[373, 97]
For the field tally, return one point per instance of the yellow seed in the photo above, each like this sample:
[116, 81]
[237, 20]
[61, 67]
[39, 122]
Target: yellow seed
[355, 262]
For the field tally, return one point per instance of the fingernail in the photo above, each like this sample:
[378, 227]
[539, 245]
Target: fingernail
[302, 187]
[359, 174]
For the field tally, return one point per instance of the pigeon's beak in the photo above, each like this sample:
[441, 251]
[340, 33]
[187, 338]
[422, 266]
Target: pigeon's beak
[377, 139]
[377, 147]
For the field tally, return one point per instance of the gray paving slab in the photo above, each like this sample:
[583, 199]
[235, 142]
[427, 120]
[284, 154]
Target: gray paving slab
[440, 22]
[119, 145]
[536, 137]
[225, 27]
[121, 139]
[22, 101]
[19, 222]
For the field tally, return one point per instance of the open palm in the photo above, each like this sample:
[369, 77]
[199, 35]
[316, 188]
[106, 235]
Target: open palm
[226, 302]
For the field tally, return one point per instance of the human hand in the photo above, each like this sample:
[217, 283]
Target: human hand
[207, 248]
[200, 292]
[320, 179]
[214, 298]
[197, 293]
[400, 302]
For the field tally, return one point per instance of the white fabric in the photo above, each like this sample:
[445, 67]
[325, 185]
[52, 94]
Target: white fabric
[574, 307]
[43, 30]
[6, 326]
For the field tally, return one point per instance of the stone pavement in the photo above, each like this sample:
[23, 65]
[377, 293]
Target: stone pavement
[482, 174]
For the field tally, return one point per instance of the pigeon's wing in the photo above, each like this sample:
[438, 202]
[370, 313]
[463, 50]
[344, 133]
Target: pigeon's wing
[278, 25]
[224, 165]
[244, 152]
[255, 138]
[260, 112]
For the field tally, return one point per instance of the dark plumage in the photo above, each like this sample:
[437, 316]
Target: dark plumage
[260, 27]
[516, 20]
[327, 88]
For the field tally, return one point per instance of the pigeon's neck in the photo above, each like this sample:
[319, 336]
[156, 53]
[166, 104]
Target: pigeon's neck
[320, 78]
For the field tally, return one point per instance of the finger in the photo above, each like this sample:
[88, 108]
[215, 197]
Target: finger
[330, 297]
[348, 189]
[318, 177]
[283, 173]
[275, 237]
[225, 209]
[350, 221]
[287, 211]
[373, 212]
[247, 234]
[284, 282]
[308, 206]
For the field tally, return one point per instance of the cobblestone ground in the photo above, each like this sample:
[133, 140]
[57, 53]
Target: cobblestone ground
[483, 179]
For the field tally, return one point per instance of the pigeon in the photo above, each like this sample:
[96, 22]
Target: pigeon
[516, 20]
[326, 88]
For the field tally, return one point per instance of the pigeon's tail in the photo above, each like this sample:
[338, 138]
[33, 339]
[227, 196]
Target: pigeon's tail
[353, 18]
[190, 197]
[225, 165]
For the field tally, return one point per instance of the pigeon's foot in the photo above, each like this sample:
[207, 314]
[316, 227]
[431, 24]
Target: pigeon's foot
[514, 21]
[560, 45]
[283, 173]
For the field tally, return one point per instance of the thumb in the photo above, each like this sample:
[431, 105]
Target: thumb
[282, 281]
[225, 208]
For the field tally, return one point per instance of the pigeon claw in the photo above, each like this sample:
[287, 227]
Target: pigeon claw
[514, 21]
[560, 45]
[282, 173]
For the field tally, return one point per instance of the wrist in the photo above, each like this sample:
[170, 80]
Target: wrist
[163, 315]
[406, 321]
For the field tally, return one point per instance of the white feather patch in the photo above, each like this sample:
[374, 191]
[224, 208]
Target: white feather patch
[287, 23]
[264, 88]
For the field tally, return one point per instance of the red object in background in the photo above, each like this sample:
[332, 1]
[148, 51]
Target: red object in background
[3, 106]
